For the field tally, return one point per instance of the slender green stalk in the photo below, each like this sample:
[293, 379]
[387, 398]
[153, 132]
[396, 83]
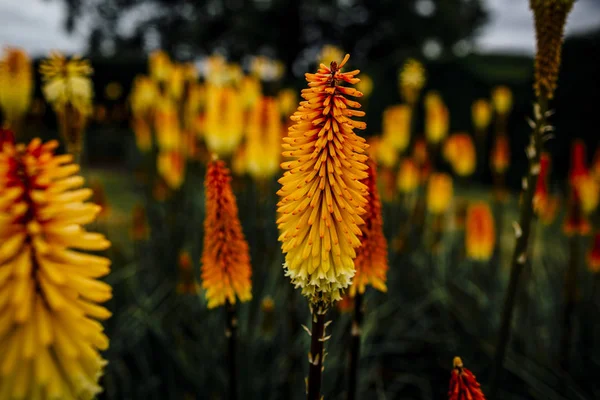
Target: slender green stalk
[522, 231]
[355, 337]
[315, 357]
[231, 335]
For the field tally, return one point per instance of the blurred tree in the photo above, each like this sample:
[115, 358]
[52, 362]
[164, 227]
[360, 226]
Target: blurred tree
[386, 31]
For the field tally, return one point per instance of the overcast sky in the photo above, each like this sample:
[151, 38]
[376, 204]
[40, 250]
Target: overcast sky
[37, 26]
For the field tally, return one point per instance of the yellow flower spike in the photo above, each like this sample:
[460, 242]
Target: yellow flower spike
[481, 113]
[224, 119]
[480, 235]
[365, 86]
[160, 65]
[144, 95]
[437, 119]
[166, 124]
[251, 90]
[502, 100]
[50, 336]
[371, 257]
[16, 86]
[143, 134]
[176, 82]
[439, 193]
[287, 100]
[396, 126]
[408, 176]
[411, 80]
[226, 270]
[322, 197]
[171, 166]
[68, 88]
[383, 152]
[263, 143]
[194, 106]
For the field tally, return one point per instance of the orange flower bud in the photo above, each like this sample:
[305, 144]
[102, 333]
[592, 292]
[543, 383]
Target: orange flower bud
[480, 238]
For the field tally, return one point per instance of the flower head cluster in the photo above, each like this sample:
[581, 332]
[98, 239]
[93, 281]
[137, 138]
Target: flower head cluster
[463, 384]
[371, 257]
[322, 196]
[226, 268]
[67, 83]
[68, 88]
[50, 336]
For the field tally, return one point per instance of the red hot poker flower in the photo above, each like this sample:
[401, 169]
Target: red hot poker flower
[463, 384]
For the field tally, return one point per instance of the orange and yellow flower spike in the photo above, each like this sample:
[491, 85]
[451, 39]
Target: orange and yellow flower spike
[437, 119]
[322, 197]
[226, 268]
[439, 193]
[371, 260]
[480, 235]
[408, 176]
[481, 113]
[50, 335]
[396, 126]
[502, 100]
[263, 143]
[459, 151]
[223, 130]
[16, 86]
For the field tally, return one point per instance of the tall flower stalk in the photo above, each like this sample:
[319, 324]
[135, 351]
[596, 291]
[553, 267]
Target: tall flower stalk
[225, 258]
[550, 17]
[371, 269]
[322, 198]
